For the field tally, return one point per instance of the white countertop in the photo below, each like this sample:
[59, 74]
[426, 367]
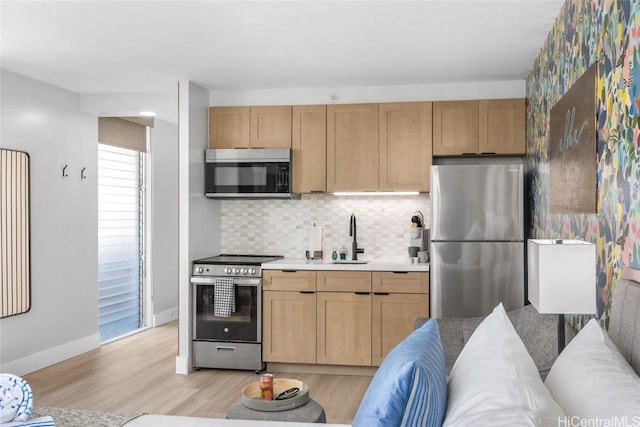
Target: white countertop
[373, 265]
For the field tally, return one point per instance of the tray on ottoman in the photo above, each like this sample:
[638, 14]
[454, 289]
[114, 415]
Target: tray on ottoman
[251, 396]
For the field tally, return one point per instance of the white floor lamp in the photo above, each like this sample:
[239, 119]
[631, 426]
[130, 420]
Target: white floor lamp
[562, 279]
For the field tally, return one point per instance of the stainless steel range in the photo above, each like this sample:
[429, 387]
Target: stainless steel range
[227, 307]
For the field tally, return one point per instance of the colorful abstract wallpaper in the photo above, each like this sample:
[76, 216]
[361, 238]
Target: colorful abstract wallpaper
[605, 32]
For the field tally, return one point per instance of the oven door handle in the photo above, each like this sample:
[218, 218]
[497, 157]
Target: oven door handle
[256, 281]
[207, 280]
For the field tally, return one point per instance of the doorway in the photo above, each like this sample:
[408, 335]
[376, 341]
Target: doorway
[121, 241]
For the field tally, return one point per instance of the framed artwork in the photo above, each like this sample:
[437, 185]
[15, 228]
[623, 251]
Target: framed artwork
[15, 262]
[572, 148]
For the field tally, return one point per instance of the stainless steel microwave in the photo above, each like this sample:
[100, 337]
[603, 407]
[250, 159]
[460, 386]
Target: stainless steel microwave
[258, 173]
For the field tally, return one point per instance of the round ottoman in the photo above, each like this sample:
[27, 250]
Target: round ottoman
[310, 412]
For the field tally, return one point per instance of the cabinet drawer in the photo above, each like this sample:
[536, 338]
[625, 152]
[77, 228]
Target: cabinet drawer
[344, 281]
[288, 280]
[400, 283]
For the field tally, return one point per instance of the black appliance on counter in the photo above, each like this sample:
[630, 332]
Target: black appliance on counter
[228, 337]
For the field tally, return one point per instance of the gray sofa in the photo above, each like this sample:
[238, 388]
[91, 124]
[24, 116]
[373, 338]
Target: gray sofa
[539, 333]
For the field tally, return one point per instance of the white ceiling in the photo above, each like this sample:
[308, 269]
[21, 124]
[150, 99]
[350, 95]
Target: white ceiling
[146, 46]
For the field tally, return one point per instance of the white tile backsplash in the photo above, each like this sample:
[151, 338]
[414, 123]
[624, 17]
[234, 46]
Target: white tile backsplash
[281, 227]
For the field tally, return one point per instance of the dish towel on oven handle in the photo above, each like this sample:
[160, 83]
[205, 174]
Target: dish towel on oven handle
[16, 403]
[224, 297]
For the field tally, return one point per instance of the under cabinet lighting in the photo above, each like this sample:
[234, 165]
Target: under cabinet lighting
[376, 193]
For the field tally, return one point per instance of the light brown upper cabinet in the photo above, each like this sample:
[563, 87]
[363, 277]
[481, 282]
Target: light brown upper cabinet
[250, 127]
[502, 126]
[352, 147]
[271, 127]
[494, 126]
[405, 146]
[455, 127]
[309, 144]
[229, 127]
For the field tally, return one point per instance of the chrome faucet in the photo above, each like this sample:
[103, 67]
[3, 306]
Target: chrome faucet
[354, 244]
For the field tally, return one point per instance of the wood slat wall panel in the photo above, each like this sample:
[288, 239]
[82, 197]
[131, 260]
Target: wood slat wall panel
[15, 277]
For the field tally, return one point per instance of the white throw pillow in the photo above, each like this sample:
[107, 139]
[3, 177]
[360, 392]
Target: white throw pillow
[591, 380]
[494, 381]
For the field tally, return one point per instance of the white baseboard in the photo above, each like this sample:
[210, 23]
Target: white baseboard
[165, 317]
[183, 367]
[51, 356]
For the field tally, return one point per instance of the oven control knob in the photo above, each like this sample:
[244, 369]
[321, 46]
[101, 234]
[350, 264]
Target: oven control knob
[200, 270]
[227, 270]
[236, 270]
[245, 271]
[253, 271]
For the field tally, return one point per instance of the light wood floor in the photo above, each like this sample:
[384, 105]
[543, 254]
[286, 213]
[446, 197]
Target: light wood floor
[137, 374]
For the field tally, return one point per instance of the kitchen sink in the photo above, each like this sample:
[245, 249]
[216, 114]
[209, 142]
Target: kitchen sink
[350, 261]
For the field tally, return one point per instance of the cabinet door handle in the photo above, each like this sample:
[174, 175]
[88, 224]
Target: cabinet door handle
[381, 293]
[400, 272]
[289, 271]
[307, 292]
[469, 154]
[489, 152]
[362, 293]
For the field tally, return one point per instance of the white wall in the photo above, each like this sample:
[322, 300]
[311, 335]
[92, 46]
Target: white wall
[46, 122]
[164, 104]
[164, 240]
[347, 95]
[199, 217]
[163, 158]
[58, 127]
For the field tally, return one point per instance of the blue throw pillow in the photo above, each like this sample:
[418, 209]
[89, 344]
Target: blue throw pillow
[410, 387]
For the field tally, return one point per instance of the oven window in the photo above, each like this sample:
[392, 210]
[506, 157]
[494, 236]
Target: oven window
[241, 325]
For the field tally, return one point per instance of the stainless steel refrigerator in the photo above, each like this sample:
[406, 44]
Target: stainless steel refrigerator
[477, 237]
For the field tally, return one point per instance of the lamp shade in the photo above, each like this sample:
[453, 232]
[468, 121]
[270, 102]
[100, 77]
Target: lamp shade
[562, 276]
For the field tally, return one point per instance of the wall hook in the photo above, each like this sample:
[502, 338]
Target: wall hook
[64, 171]
[82, 174]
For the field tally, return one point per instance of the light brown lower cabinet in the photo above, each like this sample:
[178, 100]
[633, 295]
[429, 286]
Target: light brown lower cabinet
[353, 318]
[289, 316]
[289, 327]
[344, 328]
[392, 319]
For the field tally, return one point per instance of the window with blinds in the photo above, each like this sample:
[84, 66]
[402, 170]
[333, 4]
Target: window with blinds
[120, 240]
